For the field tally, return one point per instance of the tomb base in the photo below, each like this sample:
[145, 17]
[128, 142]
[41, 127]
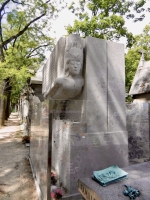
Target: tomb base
[139, 179]
[76, 154]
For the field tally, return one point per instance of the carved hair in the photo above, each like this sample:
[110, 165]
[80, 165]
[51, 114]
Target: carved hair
[73, 50]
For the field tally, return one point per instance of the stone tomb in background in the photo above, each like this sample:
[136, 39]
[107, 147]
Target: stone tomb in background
[138, 131]
[89, 131]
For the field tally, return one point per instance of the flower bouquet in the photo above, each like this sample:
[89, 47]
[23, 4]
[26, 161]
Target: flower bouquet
[26, 139]
[56, 194]
[53, 178]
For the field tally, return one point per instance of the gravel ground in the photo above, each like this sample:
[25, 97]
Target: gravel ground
[16, 180]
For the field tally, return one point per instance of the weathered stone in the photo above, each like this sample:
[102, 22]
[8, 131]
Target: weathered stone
[94, 124]
[69, 84]
[138, 131]
[88, 131]
[116, 87]
[54, 66]
[141, 81]
[139, 178]
[39, 149]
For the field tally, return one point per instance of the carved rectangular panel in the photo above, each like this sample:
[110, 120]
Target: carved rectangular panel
[96, 84]
[116, 87]
[86, 192]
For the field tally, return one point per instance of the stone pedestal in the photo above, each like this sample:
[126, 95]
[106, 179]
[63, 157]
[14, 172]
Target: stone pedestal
[139, 178]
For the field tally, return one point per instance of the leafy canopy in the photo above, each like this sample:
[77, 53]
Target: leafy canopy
[132, 58]
[105, 19]
[24, 37]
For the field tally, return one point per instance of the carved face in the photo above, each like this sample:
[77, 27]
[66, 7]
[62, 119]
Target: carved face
[74, 67]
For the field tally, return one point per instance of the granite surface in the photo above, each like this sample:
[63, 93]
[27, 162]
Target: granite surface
[137, 115]
[139, 178]
[89, 132]
[54, 66]
[39, 146]
[141, 81]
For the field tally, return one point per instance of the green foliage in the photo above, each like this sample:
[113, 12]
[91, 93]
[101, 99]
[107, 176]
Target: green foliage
[24, 37]
[132, 58]
[105, 19]
[131, 62]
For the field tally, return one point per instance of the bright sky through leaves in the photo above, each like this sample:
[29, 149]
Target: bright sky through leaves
[66, 17]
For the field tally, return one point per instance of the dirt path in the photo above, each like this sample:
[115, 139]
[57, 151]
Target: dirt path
[16, 180]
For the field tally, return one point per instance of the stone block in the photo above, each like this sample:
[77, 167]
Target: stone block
[116, 116]
[77, 153]
[116, 64]
[76, 196]
[96, 58]
[116, 87]
[61, 150]
[138, 143]
[140, 84]
[89, 131]
[96, 89]
[39, 147]
[116, 91]
[96, 116]
[50, 71]
[138, 131]
[139, 178]
[137, 112]
[93, 124]
[96, 84]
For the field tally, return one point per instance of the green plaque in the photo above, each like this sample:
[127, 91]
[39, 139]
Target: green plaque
[109, 175]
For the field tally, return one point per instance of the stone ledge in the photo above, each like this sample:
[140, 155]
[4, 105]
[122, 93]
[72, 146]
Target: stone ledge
[139, 178]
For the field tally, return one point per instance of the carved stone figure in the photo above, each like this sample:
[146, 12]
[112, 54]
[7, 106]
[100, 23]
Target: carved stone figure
[69, 85]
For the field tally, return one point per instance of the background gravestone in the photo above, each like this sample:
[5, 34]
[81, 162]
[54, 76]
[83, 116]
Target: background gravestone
[138, 131]
[138, 114]
[141, 81]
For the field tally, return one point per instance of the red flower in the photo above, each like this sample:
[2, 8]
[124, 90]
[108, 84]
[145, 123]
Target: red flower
[56, 193]
[52, 174]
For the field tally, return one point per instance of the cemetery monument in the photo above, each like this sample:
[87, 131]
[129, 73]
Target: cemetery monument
[84, 79]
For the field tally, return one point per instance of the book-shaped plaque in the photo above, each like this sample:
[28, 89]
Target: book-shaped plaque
[109, 175]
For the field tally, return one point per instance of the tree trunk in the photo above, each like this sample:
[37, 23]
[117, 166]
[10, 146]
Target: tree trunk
[2, 107]
[4, 102]
[8, 109]
[2, 89]
[1, 111]
[2, 120]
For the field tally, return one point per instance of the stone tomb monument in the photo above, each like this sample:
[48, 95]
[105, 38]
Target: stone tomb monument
[85, 82]
[138, 114]
[138, 179]
[140, 88]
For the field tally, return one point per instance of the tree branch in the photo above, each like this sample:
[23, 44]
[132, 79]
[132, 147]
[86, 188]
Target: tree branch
[4, 13]
[3, 5]
[22, 31]
[29, 55]
[48, 1]
[34, 55]
[16, 2]
[1, 36]
[16, 38]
